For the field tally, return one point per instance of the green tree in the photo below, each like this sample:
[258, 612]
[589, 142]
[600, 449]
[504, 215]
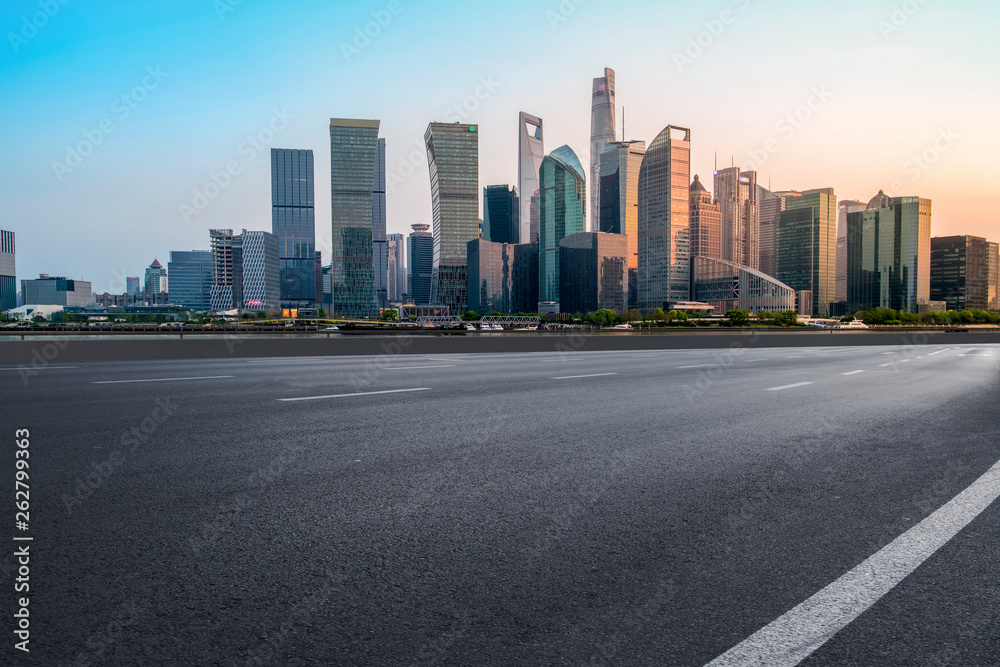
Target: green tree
[321, 313]
[738, 318]
[765, 316]
[634, 315]
[787, 319]
[656, 315]
[390, 315]
[605, 317]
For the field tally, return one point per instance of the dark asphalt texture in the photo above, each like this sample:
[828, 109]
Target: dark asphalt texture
[658, 516]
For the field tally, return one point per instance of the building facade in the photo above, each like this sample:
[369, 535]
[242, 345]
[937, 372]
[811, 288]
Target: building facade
[354, 161]
[293, 221]
[191, 279]
[8, 271]
[664, 272]
[730, 286]
[806, 245]
[503, 277]
[261, 272]
[501, 208]
[844, 208]
[453, 162]
[56, 291]
[530, 153]
[705, 223]
[133, 285]
[960, 272]
[155, 280]
[889, 254]
[420, 265]
[619, 193]
[562, 211]
[769, 205]
[994, 270]
[602, 132]
[227, 269]
[593, 272]
[380, 252]
[736, 194]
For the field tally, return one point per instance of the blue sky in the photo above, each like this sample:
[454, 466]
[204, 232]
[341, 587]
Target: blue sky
[905, 96]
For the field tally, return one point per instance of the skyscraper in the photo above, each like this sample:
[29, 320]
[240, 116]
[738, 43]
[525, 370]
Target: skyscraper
[562, 211]
[602, 132]
[619, 193]
[396, 244]
[845, 207]
[133, 285]
[593, 272]
[354, 159]
[736, 194]
[770, 206]
[191, 279]
[993, 259]
[261, 271]
[453, 162]
[227, 269]
[889, 254]
[8, 272]
[155, 279]
[380, 257]
[420, 264]
[706, 223]
[960, 272]
[293, 221]
[806, 246]
[503, 277]
[530, 153]
[500, 214]
[664, 211]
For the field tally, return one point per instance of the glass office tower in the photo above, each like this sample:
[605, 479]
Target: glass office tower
[530, 153]
[619, 193]
[562, 211]
[705, 223]
[501, 207]
[293, 221]
[354, 151]
[960, 272]
[8, 273]
[602, 132]
[453, 161]
[593, 272]
[380, 252]
[261, 271]
[845, 207]
[664, 212]
[420, 265]
[736, 194]
[503, 277]
[770, 205]
[806, 246]
[191, 279]
[889, 254]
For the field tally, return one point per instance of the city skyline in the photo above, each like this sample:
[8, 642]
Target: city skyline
[198, 109]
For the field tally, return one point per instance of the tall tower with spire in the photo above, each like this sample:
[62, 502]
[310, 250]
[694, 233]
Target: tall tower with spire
[602, 132]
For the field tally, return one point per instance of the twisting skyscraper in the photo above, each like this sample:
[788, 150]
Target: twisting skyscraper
[602, 132]
[530, 153]
[354, 148]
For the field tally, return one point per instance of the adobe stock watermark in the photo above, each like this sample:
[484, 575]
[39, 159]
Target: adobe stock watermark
[121, 108]
[33, 24]
[223, 7]
[788, 126]
[461, 111]
[562, 12]
[900, 16]
[712, 30]
[248, 150]
[920, 163]
[363, 35]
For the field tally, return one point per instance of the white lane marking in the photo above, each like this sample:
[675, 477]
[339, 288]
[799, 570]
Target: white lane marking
[852, 373]
[208, 377]
[938, 352]
[410, 368]
[903, 361]
[558, 361]
[285, 360]
[794, 636]
[42, 368]
[362, 393]
[789, 386]
[698, 366]
[884, 365]
[577, 377]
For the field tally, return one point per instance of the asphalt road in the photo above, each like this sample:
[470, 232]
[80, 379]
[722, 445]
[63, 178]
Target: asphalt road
[619, 508]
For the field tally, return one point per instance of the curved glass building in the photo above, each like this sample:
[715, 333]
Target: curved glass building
[731, 286]
[562, 211]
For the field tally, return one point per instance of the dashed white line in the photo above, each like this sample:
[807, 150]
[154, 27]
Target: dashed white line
[793, 637]
[789, 386]
[557, 361]
[41, 368]
[410, 368]
[208, 377]
[697, 366]
[884, 365]
[852, 373]
[577, 377]
[360, 393]
[938, 352]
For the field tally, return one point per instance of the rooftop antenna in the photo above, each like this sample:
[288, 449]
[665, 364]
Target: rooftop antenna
[716, 161]
[623, 124]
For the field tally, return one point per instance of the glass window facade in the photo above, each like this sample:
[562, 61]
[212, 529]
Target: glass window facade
[730, 286]
[593, 272]
[354, 148]
[531, 152]
[960, 272]
[806, 246]
[619, 197]
[706, 223]
[736, 194]
[293, 221]
[501, 207]
[191, 279]
[503, 277]
[602, 132]
[8, 273]
[561, 213]
[420, 265]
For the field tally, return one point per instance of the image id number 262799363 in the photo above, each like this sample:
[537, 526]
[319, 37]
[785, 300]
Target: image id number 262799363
[22, 517]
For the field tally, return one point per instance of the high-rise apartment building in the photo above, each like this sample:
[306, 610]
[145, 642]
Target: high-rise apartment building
[156, 279]
[530, 153]
[380, 256]
[769, 205]
[420, 264]
[354, 163]
[806, 245]
[453, 162]
[889, 254]
[501, 208]
[227, 269]
[845, 207]
[261, 272]
[602, 132]
[8, 271]
[960, 272]
[619, 193]
[191, 279]
[593, 272]
[736, 194]
[293, 221]
[705, 223]
[562, 211]
[664, 212]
